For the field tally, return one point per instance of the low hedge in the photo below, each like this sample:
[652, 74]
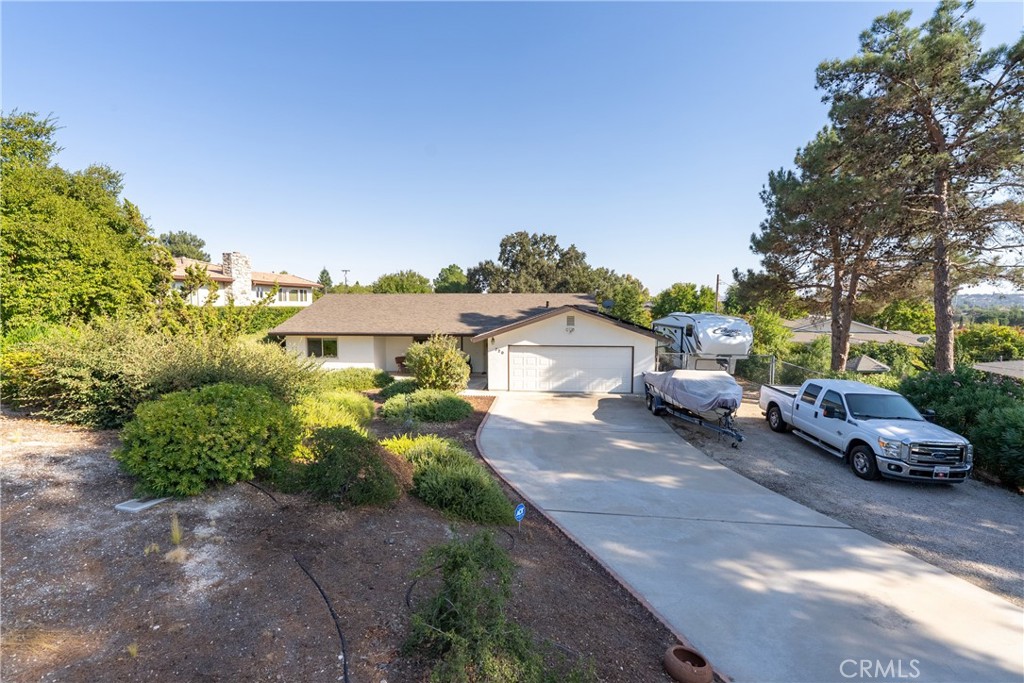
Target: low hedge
[355, 379]
[185, 441]
[402, 386]
[447, 477]
[427, 405]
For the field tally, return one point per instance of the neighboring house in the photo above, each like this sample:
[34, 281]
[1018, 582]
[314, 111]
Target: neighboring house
[235, 278]
[1006, 368]
[523, 342]
[806, 330]
[866, 365]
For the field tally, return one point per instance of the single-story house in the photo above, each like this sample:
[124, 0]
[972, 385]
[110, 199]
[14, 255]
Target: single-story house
[1006, 368]
[522, 342]
[806, 330]
[236, 279]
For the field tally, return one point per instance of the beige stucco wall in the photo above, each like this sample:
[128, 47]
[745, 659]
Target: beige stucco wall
[588, 331]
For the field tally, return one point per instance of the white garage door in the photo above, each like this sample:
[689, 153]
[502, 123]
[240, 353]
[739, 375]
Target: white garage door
[597, 369]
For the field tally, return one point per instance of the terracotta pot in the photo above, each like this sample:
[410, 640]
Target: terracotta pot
[686, 665]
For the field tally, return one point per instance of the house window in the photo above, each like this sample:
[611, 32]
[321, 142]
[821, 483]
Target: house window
[570, 321]
[282, 295]
[320, 347]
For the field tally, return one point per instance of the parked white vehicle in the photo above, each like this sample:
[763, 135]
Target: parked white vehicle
[704, 341]
[876, 430]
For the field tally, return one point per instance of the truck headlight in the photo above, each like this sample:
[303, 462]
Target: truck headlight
[890, 449]
[969, 454]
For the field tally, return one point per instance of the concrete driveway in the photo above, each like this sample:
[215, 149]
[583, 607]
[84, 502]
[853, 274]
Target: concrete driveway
[767, 589]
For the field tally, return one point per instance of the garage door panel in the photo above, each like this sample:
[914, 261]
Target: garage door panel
[578, 369]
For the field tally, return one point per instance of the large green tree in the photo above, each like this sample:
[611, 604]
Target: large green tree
[832, 232]
[451, 280]
[946, 117]
[684, 297]
[185, 244]
[533, 263]
[71, 248]
[402, 282]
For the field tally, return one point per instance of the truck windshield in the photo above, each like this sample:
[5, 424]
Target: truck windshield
[881, 406]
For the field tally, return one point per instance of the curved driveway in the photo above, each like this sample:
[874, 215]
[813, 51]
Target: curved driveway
[767, 589]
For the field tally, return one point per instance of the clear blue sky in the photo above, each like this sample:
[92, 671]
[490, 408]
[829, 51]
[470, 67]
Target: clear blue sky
[378, 137]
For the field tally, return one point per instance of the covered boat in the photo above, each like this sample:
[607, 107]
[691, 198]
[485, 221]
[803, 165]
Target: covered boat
[708, 398]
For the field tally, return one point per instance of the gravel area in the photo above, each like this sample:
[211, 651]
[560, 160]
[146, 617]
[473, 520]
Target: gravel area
[973, 530]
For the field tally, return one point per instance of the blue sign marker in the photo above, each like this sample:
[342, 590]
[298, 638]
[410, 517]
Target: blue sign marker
[520, 513]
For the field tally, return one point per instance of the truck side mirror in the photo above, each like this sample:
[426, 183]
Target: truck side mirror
[834, 413]
[928, 414]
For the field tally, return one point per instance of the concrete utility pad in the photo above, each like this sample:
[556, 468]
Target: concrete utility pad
[768, 589]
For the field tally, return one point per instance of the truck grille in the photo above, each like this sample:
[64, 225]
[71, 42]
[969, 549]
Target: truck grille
[936, 453]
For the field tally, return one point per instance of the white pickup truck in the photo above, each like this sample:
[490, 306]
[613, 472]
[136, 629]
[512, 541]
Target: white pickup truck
[876, 430]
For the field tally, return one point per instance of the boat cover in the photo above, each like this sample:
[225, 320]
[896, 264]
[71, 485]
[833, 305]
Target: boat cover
[699, 391]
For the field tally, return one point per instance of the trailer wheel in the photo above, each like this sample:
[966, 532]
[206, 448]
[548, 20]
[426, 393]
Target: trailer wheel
[775, 421]
[863, 463]
[654, 405]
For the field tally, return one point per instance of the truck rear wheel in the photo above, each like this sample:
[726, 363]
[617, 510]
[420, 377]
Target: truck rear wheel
[863, 463]
[775, 421]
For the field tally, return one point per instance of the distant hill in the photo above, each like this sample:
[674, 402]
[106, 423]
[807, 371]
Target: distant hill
[1001, 300]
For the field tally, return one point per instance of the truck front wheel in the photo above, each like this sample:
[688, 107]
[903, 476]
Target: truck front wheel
[863, 463]
[775, 421]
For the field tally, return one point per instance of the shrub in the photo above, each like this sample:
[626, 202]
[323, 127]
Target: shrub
[972, 403]
[402, 386]
[439, 364]
[96, 375]
[991, 342]
[401, 445]
[355, 379]
[330, 409]
[185, 441]
[447, 477]
[463, 625]
[427, 405]
[998, 438]
[348, 467]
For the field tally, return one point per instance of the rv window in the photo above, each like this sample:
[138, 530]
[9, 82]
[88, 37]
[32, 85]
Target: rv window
[689, 330]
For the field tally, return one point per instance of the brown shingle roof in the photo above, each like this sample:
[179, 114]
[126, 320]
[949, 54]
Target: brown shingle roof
[420, 314]
[216, 273]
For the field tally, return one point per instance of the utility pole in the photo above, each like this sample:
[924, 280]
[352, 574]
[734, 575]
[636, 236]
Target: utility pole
[718, 284]
[345, 273]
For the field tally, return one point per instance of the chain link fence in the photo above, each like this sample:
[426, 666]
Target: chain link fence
[768, 369]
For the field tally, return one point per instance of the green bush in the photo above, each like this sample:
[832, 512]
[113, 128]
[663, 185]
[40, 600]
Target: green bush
[463, 626]
[185, 441]
[448, 478]
[990, 342]
[427, 405]
[335, 408]
[401, 445]
[355, 379]
[330, 409]
[998, 438]
[972, 403]
[348, 467]
[402, 386]
[438, 363]
[96, 375]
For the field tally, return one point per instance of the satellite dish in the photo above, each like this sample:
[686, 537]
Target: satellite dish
[607, 303]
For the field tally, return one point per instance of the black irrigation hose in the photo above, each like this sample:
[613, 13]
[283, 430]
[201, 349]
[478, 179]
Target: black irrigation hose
[260, 488]
[513, 546]
[408, 592]
[334, 615]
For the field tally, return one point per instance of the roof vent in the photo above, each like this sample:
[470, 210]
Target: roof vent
[547, 304]
[570, 321]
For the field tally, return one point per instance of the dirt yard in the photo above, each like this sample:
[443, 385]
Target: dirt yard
[90, 593]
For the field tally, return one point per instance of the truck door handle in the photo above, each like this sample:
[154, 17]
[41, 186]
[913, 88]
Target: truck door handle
[815, 413]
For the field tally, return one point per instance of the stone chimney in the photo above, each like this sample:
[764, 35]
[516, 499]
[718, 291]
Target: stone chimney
[239, 267]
